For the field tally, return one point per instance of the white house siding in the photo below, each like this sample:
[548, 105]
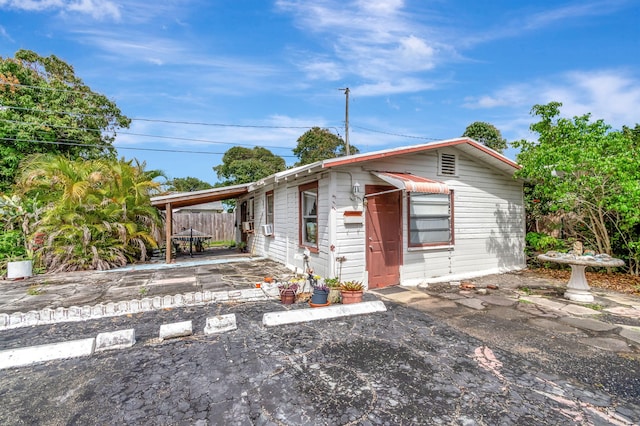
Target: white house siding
[488, 218]
[283, 246]
[488, 226]
[349, 239]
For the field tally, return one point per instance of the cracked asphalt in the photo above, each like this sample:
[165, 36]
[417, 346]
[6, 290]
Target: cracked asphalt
[400, 367]
[436, 356]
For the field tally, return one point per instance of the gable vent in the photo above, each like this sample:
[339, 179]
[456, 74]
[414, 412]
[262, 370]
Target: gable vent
[447, 164]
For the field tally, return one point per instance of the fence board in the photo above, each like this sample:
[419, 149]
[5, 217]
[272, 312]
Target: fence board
[219, 226]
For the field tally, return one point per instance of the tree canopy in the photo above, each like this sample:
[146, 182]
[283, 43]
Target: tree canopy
[487, 134]
[245, 165]
[320, 144]
[187, 184]
[48, 109]
[585, 168]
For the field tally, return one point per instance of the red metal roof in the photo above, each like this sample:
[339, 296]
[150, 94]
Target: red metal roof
[476, 148]
[413, 183]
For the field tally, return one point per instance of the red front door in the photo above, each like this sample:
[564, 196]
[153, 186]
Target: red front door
[384, 236]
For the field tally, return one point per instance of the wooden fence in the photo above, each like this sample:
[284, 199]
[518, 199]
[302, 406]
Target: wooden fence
[218, 226]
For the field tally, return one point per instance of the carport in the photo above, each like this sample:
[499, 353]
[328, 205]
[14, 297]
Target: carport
[184, 199]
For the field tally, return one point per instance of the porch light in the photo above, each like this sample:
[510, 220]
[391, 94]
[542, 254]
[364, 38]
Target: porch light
[356, 188]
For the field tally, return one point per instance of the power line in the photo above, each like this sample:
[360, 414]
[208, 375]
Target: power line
[153, 120]
[156, 120]
[68, 143]
[136, 134]
[397, 134]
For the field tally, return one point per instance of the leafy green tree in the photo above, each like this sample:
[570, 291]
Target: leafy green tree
[487, 134]
[187, 184]
[47, 109]
[245, 165]
[583, 167]
[318, 144]
[98, 213]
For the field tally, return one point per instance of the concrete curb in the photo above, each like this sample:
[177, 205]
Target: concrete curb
[112, 309]
[115, 340]
[176, 329]
[123, 339]
[271, 319]
[34, 354]
[220, 324]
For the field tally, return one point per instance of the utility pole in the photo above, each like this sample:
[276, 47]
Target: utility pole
[346, 122]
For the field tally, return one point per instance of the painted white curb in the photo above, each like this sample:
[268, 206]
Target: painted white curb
[112, 309]
[115, 340]
[34, 354]
[176, 329]
[220, 324]
[271, 319]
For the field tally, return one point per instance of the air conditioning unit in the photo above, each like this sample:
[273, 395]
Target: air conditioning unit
[267, 229]
[247, 227]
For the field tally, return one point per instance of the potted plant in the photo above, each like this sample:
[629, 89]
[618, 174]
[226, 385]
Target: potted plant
[334, 289]
[288, 290]
[351, 292]
[320, 292]
[18, 258]
[320, 295]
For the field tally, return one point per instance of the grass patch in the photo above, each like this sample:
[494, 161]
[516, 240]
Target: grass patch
[223, 243]
[34, 290]
[526, 290]
[594, 306]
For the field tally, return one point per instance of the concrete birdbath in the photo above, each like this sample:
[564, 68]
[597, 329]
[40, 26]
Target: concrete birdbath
[578, 289]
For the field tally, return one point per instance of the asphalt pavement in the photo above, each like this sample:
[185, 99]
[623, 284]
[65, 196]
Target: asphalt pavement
[481, 352]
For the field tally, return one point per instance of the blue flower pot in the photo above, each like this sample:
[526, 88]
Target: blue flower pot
[319, 297]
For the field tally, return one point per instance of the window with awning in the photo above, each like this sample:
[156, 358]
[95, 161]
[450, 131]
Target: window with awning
[413, 183]
[430, 219]
[430, 208]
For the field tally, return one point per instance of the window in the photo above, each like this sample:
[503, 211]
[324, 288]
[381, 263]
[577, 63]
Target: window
[250, 209]
[268, 202]
[309, 214]
[430, 219]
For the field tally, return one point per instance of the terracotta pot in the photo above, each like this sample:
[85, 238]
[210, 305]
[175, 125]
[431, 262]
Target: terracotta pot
[351, 296]
[287, 297]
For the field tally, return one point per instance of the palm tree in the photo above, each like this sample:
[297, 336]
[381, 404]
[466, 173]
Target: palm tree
[98, 213]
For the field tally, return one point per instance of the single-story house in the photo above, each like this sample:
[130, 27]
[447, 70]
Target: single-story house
[446, 210]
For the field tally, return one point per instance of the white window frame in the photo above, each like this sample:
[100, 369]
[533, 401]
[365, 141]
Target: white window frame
[308, 198]
[429, 215]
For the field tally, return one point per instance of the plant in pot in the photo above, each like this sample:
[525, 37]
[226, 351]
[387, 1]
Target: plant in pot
[320, 291]
[16, 257]
[351, 292]
[288, 290]
[17, 218]
[334, 289]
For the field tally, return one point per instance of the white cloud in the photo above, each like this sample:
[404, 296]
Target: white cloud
[611, 95]
[402, 85]
[4, 34]
[322, 69]
[374, 41]
[98, 9]
[528, 21]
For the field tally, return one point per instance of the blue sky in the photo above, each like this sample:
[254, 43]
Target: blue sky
[260, 72]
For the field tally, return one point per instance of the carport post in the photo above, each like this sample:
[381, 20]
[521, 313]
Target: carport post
[168, 231]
